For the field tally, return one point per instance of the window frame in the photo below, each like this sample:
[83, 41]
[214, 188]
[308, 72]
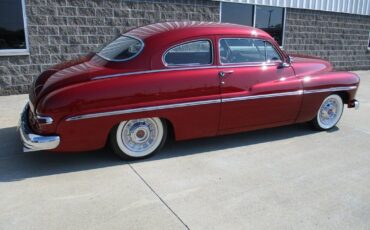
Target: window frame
[254, 18]
[249, 63]
[192, 64]
[19, 52]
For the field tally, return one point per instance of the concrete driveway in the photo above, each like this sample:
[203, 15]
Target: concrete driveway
[281, 178]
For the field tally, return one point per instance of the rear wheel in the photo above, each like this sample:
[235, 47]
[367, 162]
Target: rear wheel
[329, 113]
[139, 138]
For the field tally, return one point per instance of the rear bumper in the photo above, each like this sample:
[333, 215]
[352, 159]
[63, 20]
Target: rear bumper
[31, 141]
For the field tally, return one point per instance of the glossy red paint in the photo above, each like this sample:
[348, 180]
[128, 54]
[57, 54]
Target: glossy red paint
[272, 95]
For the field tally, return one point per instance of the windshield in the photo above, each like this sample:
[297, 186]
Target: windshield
[122, 48]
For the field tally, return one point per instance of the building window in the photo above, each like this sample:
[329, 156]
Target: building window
[271, 20]
[268, 18]
[368, 43]
[237, 13]
[13, 39]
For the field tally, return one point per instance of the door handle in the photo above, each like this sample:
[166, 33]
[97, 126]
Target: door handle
[225, 73]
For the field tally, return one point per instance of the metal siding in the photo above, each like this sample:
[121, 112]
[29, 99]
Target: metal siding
[343, 6]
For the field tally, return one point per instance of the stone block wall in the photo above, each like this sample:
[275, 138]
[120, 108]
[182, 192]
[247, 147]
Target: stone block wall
[340, 38]
[61, 30]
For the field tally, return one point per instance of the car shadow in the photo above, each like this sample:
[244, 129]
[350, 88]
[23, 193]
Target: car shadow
[16, 165]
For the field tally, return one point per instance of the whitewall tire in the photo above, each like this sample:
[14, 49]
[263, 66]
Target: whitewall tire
[329, 113]
[139, 138]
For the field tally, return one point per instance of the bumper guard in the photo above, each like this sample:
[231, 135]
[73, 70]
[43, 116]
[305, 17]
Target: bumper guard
[31, 141]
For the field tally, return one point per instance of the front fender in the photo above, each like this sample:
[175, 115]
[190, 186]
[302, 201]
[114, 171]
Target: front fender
[317, 87]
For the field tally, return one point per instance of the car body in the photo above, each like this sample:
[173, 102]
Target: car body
[200, 79]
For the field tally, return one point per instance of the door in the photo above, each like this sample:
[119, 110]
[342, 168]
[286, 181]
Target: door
[256, 89]
[190, 84]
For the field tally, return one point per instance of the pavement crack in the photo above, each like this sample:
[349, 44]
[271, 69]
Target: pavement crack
[159, 197]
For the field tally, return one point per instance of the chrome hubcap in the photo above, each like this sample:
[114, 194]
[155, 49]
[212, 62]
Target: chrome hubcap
[329, 112]
[139, 135]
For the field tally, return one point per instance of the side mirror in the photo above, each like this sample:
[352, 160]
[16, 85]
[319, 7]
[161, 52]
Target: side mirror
[286, 63]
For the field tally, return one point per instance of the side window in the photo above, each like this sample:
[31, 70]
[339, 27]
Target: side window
[244, 50]
[271, 53]
[190, 53]
[240, 50]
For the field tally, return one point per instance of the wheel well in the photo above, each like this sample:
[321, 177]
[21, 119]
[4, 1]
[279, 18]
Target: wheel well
[344, 95]
[170, 129]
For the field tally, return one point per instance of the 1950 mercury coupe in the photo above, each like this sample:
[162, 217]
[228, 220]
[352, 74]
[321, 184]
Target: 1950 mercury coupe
[192, 79]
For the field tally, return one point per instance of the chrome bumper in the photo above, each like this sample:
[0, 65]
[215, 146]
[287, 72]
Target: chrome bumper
[31, 141]
[357, 105]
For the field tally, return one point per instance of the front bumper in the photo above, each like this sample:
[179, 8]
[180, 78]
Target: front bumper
[31, 141]
[355, 104]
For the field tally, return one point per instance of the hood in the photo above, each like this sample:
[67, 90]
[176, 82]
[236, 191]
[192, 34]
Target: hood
[304, 65]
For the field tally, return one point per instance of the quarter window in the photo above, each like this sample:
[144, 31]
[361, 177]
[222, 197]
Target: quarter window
[244, 50]
[13, 38]
[190, 53]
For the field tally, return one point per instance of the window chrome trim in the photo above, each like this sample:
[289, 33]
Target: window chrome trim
[125, 59]
[190, 64]
[206, 102]
[19, 52]
[252, 63]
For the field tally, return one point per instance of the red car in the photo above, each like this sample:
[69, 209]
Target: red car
[192, 79]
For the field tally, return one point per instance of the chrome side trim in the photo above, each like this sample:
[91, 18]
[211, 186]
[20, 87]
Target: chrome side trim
[144, 109]
[263, 96]
[151, 71]
[206, 102]
[334, 89]
[173, 68]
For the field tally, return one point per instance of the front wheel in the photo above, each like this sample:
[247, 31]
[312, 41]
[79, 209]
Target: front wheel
[329, 113]
[139, 138]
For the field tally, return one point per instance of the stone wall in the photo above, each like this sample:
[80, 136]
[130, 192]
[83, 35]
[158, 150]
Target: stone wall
[338, 37]
[60, 30]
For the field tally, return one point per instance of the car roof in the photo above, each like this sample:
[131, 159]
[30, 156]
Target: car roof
[185, 29]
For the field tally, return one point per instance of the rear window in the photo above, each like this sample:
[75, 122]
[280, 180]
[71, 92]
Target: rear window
[190, 53]
[122, 48]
